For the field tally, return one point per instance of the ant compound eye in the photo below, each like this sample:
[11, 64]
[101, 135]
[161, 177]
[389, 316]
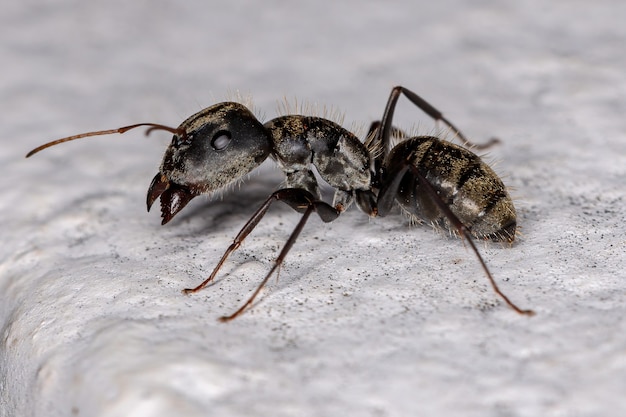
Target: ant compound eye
[221, 140]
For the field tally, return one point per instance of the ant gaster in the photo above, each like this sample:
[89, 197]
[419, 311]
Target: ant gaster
[431, 179]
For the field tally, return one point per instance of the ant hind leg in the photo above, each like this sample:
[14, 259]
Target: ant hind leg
[384, 134]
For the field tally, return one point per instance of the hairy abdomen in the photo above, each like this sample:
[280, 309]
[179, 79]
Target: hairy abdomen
[472, 190]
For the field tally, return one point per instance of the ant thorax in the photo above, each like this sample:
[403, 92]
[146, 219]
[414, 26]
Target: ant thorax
[303, 142]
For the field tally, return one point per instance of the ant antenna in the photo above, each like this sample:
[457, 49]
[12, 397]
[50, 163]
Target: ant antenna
[153, 126]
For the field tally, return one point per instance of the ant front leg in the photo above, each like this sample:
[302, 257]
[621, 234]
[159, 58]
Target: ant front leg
[382, 137]
[298, 199]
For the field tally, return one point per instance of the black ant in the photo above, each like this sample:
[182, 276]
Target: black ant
[431, 179]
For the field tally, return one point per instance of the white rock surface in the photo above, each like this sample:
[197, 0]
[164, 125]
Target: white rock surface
[369, 317]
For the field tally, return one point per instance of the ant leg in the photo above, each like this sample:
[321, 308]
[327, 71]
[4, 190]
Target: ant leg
[389, 190]
[464, 232]
[384, 135]
[296, 198]
[277, 264]
[385, 199]
[326, 212]
[301, 201]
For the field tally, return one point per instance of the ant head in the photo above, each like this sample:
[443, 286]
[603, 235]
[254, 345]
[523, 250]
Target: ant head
[211, 149]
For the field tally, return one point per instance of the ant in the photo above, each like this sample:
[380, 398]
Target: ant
[429, 178]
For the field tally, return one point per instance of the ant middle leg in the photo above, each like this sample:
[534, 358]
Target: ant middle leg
[298, 199]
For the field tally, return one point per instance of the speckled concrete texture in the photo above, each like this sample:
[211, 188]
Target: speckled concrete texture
[370, 317]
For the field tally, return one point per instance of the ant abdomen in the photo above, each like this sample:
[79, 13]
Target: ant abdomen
[466, 184]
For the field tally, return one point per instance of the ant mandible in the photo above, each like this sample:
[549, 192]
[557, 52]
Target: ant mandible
[431, 179]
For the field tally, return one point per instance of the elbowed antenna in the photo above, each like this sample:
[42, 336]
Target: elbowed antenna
[153, 126]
